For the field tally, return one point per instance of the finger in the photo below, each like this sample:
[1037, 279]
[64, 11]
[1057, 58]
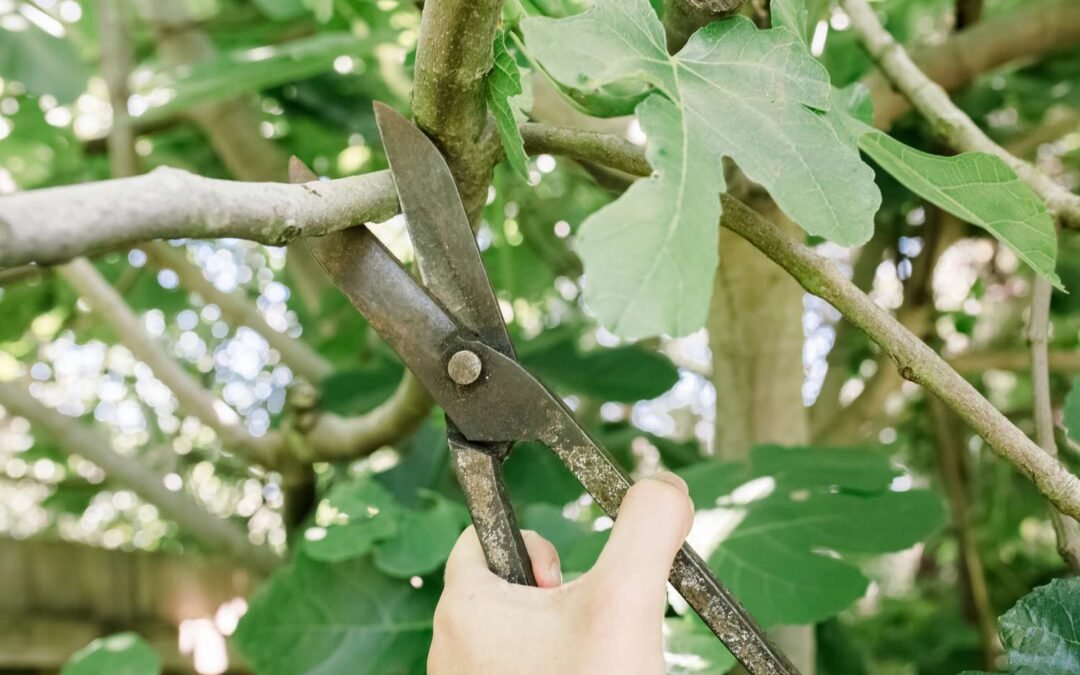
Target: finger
[654, 519]
[466, 559]
[545, 560]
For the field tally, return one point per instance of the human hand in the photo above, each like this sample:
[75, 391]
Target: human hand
[608, 620]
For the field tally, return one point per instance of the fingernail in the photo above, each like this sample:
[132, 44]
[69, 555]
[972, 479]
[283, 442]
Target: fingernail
[555, 573]
[672, 479]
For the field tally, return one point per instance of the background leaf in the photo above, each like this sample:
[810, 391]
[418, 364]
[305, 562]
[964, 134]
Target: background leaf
[1042, 632]
[345, 618]
[119, 654]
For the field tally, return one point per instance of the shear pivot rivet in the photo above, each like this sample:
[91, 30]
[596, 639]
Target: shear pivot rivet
[464, 367]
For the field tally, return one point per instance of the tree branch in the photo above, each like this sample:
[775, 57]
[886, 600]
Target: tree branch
[239, 310]
[333, 438]
[915, 361]
[947, 120]
[193, 398]
[57, 224]
[94, 445]
[1066, 529]
[950, 460]
[1032, 30]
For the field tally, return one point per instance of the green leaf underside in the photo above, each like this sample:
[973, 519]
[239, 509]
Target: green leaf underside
[785, 559]
[347, 618]
[732, 91]
[979, 189]
[367, 514]
[504, 83]
[120, 654]
[1071, 411]
[625, 374]
[1042, 632]
[423, 541]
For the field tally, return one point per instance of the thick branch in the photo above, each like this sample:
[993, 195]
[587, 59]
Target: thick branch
[915, 361]
[57, 224]
[948, 121]
[1032, 30]
[334, 438]
[194, 399]
[94, 445]
[239, 310]
[453, 56]
[1066, 529]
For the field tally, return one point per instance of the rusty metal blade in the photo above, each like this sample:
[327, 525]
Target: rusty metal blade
[444, 243]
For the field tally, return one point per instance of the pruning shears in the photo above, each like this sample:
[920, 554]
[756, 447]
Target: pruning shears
[450, 333]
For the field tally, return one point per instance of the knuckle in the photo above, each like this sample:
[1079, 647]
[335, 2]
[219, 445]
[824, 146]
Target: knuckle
[663, 498]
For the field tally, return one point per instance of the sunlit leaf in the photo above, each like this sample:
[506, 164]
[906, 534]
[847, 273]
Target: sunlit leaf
[503, 84]
[650, 256]
[1042, 631]
[44, 64]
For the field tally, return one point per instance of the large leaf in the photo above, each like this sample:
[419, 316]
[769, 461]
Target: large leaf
[359, 390]
[1042, 632]
[119, 654]
[733, 91]
[979, 189]
[788, 558]
[424, 540]
[42, 63]
[503, 84]
[774, 561]
[346, 618]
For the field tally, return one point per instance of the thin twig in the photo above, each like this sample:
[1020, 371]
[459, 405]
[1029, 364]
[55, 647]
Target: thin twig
[950, 459]
[947, 120]
[1067, 530]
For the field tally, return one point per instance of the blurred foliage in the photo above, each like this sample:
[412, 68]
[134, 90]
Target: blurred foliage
[806, 527]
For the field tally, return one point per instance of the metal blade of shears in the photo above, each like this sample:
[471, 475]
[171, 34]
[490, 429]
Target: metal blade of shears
[452, 270]
[442, 239]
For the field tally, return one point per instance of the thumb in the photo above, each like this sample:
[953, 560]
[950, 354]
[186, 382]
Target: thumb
[654, 519]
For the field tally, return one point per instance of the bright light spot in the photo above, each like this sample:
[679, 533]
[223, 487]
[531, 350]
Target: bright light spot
[507, 310]
[562, 229]
[546, 163]
[136, 258]
[137, 105]
[344, 64]
[751, 491]
[70, 11]
[5, 127]
[58, 117]
[901, 483]
[817, 42]
[416, 582]
[173, 482]
[168, 279]
[353, 158]
[201, 639]
[635, 133]
[228, 615]
[257, 54]
[840, 20]
[42, 20]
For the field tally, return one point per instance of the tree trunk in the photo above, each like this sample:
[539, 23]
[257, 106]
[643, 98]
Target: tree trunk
[756, 337]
